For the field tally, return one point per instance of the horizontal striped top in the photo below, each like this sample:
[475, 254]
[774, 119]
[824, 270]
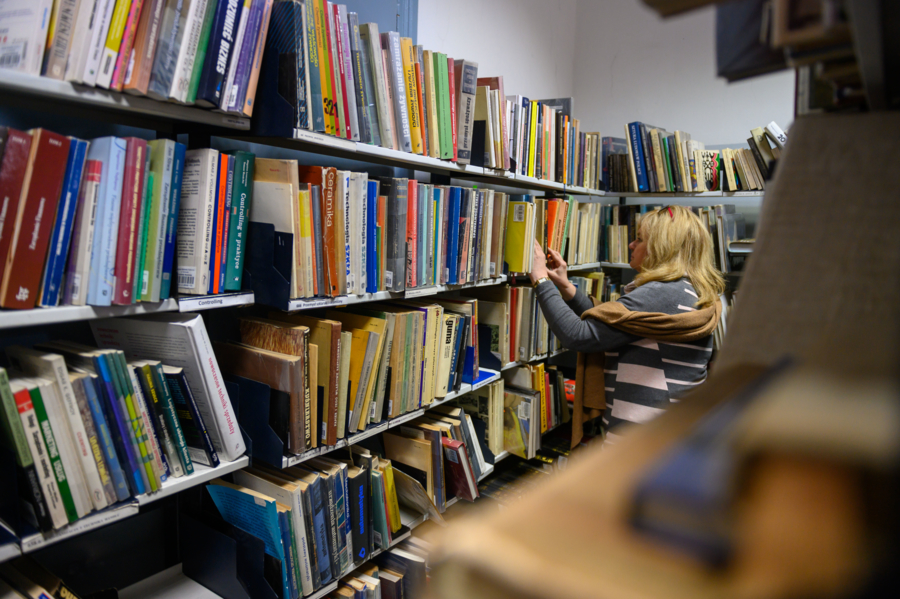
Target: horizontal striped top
[642, 376]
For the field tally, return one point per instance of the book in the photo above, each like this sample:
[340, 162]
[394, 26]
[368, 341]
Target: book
[132, 197]
[170, 233]
[241, 203]
[12, 177]
[51, 282]
[370, 37]
[59, 42]
[220, 49]
[187, 51]
[171, 35]
[112, 43]
[140, 62]
[395, 78]
[29, 229]
[162, 165]
[198, 441]
[193, 352]
[123, 57]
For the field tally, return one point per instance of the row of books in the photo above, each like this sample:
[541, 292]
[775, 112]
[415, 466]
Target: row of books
[651, 159]
[597, 284]
[204, 52]
[91, 428]
[399, 572]
[97, 222]
[333, 374]
[25, 578]
[534, 402]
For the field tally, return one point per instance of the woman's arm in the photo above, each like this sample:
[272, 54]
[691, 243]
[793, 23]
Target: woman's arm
[573, 332]
[580, 303]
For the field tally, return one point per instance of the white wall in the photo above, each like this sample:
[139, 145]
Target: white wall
[630, 65]
[529, 42]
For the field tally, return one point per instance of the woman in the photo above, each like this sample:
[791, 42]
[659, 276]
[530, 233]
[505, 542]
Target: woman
[656, 339]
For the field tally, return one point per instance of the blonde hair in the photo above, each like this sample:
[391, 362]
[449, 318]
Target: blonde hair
[678, 245]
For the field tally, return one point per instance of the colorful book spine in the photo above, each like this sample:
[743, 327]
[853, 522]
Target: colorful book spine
[145, 226]
[119, 426]
[49, 439]
[162, 162]
[120, 18]
[171, 224]
[219, 52]
[346, 58]
[241, 199]
[248, 96]
[129, 35]
[133, 420]
[105, 439]
[443, 103]
[226, 230]
[129, 220]
[453, 236]
[637, 155]
[243, 59]
[62, 230]
[217, 218]
[451, 86]
[314, 67]
[202, 48]
[171, 415]
[371, 240]
[408, 61]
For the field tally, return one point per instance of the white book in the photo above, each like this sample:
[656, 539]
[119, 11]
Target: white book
[373, 586]
[98, 41]
[41, 459]
[198, 201]
[68, 427]
[290, 494]
[180, 340]
[347, 83]
[272, 204]
[187, 52]
[152, 443]
[57, 53]
[81, 39]
[776, 134]
[23, 34]
[228, 84]
[78, 270]
[356, 208]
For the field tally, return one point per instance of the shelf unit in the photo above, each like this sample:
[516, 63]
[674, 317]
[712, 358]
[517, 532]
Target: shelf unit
[534, 359]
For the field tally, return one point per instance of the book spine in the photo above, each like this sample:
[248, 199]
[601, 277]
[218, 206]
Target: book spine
[410, 82]
[636, 157]
[121, 430]
[162, 163]
[140, 62]
[170, 231]
[347, 83]
[116, 31]
[56, 464]
[81, 37]
[191, 31]
[372, 40]
[45, 467]
[241, 198]
[218, 207]
[202, 48]
[314, 69]
[360, 80]
[189, 414]
[168, 412]
[323, 50]
[30, 229]
[99, 34]
[412, 227]
[141, 257]
[391, 41]
[243, 59]
[224, 243]
[248, 96]
[77, 272]
[219, 51]
[454, 127]
[137, 429]
[117, 81]
[62, 231]
[155, 436]
[315, 200]
[12, 179]
[112, 152]
[105, 440]
[132, 195]
[92, 435]
[225, 93]
[304, 97]
[58, 51]
[444, 104]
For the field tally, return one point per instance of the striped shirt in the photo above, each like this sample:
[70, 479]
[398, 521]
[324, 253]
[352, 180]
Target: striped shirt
[642, 376]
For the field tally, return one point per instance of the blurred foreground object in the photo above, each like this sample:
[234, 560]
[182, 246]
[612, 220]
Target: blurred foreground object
[806, 506]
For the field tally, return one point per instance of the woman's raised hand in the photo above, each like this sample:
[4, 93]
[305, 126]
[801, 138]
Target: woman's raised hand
[557, 270]
[538, 263]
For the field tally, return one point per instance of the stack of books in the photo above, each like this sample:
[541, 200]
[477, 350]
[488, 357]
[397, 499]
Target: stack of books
[93, 427]
[205, 52]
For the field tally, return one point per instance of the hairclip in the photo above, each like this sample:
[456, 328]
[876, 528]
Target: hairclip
[671, 214]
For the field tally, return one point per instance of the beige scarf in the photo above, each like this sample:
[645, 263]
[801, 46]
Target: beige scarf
[678, 328]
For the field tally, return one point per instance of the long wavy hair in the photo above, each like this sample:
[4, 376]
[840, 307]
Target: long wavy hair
[678, 245]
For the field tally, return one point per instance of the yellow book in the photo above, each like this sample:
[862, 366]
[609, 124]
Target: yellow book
[518, 219]
[324, 50]
[538, 384]
[373, 325]
[412, 93]
[532, 139]
[306, 241]
[390, 492]
[358, 345]
[434, 137]
[113, 42]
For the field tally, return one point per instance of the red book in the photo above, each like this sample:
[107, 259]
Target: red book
[12, 175]
[130, 219]
[497, 84]
[331, 63]
[461, 481]
[34, 219]
[412, 236]
[131, 26]
[339, 70]
[326, 179]
[220, 222]
[452, 89]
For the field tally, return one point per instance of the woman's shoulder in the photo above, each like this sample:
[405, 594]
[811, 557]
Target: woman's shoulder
[670, 297]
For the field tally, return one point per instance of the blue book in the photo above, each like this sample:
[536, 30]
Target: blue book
[104, 435]
[320, 526]
[219, 52]
[453, 233]
[58, 249]
[421, 235]
[214, 237]
[474, 254]
[610, 145]
[200, 446]
[229, 188]
[288, 566]
[637, 154]
[106, 389]
[110, 151]
[165, 288]
[454, 360]
[438, 225]
[371, 246]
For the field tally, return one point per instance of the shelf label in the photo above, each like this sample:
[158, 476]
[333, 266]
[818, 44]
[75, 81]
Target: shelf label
[303, 304]
[236, 122]
[324, 140]
[420, 291]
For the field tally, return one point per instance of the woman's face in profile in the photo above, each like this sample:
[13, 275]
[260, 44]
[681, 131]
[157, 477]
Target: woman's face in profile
[638, 249]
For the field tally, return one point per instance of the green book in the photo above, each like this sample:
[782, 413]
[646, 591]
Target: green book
[127, 409]
[53, 452]
[443, 92]
[202, 45]
[162, 159]
[241, 198]
[665, 148]
[13, 431]
[141, 428]
[380, 519]
[171, 415]
[139, 285]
